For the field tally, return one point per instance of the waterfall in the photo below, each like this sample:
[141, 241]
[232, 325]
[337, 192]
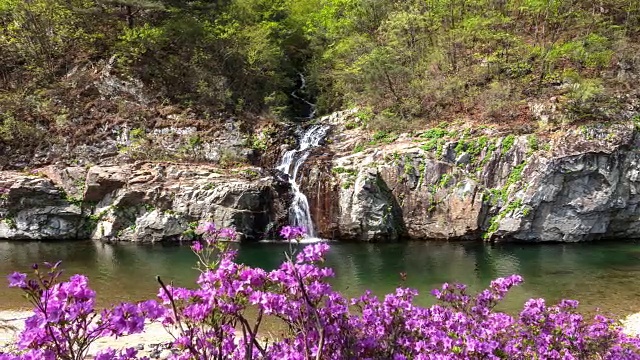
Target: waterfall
[299, 214]
[312, 106]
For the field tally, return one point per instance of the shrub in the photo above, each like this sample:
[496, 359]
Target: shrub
[321, 323]
[507, 143]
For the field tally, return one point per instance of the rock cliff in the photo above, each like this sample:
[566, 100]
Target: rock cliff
[127, 166]
[580, 184]
[138, 202]
[572, 184]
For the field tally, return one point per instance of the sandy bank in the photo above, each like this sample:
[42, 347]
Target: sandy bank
[153, 334]
[632, 324]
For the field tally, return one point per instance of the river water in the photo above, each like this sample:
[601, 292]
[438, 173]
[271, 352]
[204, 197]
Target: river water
[604, 275]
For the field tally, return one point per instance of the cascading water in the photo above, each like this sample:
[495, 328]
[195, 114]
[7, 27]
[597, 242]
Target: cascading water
[299, 214]
[312, 106]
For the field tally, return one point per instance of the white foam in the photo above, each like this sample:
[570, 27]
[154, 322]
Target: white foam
[307, 240]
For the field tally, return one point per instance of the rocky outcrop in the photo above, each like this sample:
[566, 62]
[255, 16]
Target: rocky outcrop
[98, 116]
[582, 184]
[369, 211]
[32, 207]
[138, 202]
[574, 184]
[589, 190]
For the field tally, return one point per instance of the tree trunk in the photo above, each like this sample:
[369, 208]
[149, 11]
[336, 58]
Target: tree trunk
[129, 17]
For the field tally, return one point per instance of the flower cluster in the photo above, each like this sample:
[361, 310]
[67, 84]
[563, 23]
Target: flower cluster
[218, 320]
[293, 232]
[213, 245]
[65, 322]
[210, 233]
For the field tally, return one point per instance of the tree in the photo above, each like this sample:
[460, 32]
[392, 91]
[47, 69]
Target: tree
[130, 9]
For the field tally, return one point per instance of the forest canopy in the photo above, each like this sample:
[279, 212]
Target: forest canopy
[411, 60]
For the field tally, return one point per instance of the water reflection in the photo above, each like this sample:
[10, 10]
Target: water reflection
[600, 274]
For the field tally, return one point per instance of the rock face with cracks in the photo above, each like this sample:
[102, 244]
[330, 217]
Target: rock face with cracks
[582, 185]
[138, 202]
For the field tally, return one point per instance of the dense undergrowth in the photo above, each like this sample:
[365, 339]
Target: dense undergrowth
[405, 62]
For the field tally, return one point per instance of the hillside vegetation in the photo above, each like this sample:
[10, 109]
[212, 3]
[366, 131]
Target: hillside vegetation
[406, 63]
